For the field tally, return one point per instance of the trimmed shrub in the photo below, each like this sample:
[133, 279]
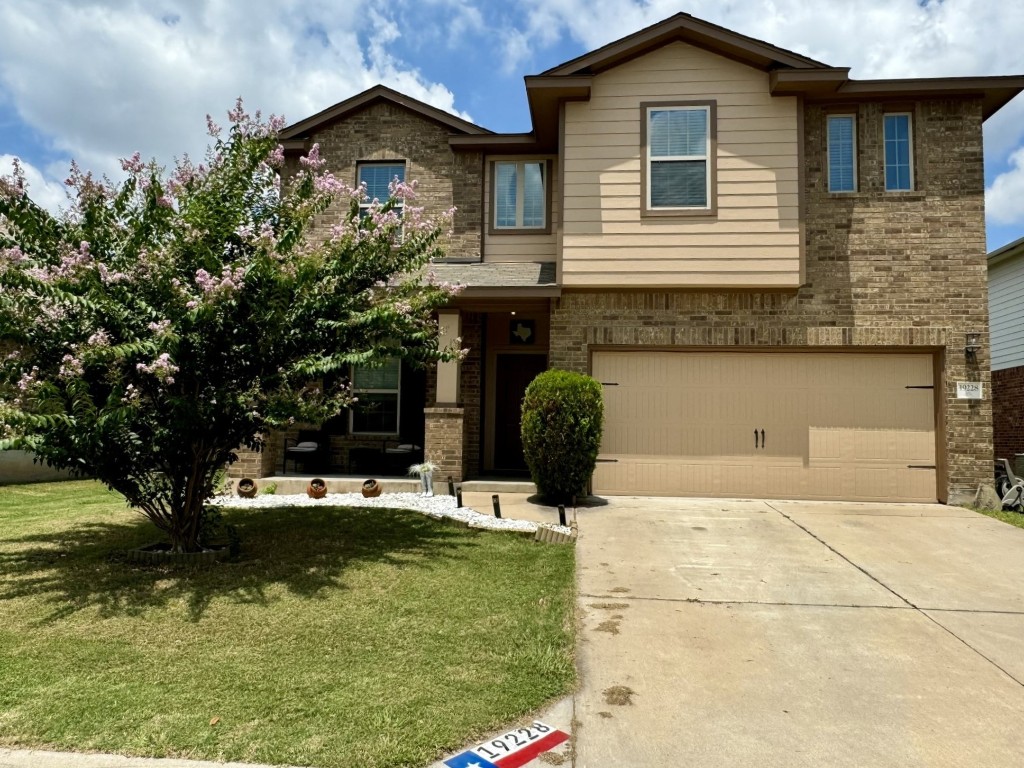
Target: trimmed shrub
[563, 413]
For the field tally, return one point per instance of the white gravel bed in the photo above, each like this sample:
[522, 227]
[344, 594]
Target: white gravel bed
[432, 506]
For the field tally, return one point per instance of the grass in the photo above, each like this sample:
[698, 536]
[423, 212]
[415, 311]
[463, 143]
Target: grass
[340, 637]
[1013, 518]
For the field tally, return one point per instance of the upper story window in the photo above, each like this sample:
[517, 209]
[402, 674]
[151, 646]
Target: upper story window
[378, 390]
[520, 195]
[899, 153]
[679, 157]
[378, 177]
[842, 153]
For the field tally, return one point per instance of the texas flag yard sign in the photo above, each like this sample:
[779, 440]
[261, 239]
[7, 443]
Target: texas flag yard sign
[512, 749]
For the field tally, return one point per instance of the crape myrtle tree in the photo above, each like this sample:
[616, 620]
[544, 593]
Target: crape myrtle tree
[157, 324]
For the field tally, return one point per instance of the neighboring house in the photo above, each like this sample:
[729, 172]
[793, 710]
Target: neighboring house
[771, 268]
[1006, 313]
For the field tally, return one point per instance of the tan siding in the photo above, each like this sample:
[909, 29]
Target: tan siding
[520, 246]
[753, 240]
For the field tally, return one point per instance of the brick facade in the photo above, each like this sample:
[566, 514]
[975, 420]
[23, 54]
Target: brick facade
[883, 270]
[444, 441]
[1008, 412]
[385, 131]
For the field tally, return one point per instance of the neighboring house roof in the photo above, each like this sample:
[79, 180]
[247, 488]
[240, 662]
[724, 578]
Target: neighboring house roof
[1008, 251]
[378, 93]
[506, 279]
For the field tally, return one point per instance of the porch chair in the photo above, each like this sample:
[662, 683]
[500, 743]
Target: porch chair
[309, 448]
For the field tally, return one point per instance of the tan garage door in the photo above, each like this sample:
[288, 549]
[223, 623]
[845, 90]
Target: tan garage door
[777, 425]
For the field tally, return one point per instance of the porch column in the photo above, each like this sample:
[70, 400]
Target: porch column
[443, 442]
[448, 373]
[444, 417]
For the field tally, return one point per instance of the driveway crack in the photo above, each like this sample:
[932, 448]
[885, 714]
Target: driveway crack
[896, 594]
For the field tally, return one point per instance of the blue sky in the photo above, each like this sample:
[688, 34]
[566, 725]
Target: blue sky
[95, 80]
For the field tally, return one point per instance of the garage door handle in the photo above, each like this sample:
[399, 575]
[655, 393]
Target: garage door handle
[921, 466]
[762, 439]
[755, 438]
[607, 461]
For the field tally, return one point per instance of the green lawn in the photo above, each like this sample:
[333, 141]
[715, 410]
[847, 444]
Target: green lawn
[1013, 518]
[340, 637]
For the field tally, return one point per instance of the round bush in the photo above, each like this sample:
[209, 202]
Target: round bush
[561, 428]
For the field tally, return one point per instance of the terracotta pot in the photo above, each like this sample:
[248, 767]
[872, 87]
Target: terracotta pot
[247, 488]
[317, 488]
[371, 488]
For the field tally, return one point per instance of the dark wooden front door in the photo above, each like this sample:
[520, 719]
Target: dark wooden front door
[513, 373]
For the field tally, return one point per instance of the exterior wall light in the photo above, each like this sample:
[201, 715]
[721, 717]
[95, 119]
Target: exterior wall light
[972, 345]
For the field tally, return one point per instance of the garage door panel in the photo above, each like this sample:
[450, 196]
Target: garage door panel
[836, 425]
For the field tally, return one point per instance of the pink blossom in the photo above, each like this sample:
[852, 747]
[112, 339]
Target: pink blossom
[212, 128]
[205, 282]
[99, 339]
[133, 164]
[313, 160]
[70, 366]
[28, 379]
[238, 114]
[162, 368]
[131, 395]
[160, 327]
[275, 123]
[164, 202]
[328, 183]
[276, 158]
[12, 255]
[399, 190]
[108, 277]
[16, 181]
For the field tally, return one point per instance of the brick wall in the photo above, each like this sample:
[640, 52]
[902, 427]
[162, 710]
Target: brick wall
[256, 464]
[882, 269]
[1008, 412]
[444, 442]
[386, 131]
[471, 377]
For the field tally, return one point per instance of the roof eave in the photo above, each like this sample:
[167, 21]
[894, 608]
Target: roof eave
[1006, 252]
[503, 143]
[831, 85]
[684, 27]
[304, 128]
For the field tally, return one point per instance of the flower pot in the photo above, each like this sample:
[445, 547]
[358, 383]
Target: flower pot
[247, 488]
[371, 489]
[317, 488]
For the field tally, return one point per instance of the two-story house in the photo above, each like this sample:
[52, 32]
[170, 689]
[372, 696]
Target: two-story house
[772, 269]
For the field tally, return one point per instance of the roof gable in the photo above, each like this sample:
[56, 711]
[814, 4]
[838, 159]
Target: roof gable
[369, 97]
[684, 27]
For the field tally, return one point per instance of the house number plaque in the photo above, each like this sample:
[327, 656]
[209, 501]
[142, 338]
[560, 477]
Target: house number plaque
[968, 390]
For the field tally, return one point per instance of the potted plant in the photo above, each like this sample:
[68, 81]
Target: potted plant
[371, 489]
[247, 488]
[317, 488]
[425, 472]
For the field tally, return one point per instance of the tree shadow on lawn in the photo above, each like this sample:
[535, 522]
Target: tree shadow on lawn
[305, 550]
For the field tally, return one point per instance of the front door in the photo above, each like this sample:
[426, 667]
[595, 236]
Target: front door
[512, 375]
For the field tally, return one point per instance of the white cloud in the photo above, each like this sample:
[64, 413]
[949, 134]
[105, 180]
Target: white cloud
[103, 78]
[1004, 200]
[44, 191]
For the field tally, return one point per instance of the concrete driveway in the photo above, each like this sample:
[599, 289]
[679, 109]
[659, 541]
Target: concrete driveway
[778, 633]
